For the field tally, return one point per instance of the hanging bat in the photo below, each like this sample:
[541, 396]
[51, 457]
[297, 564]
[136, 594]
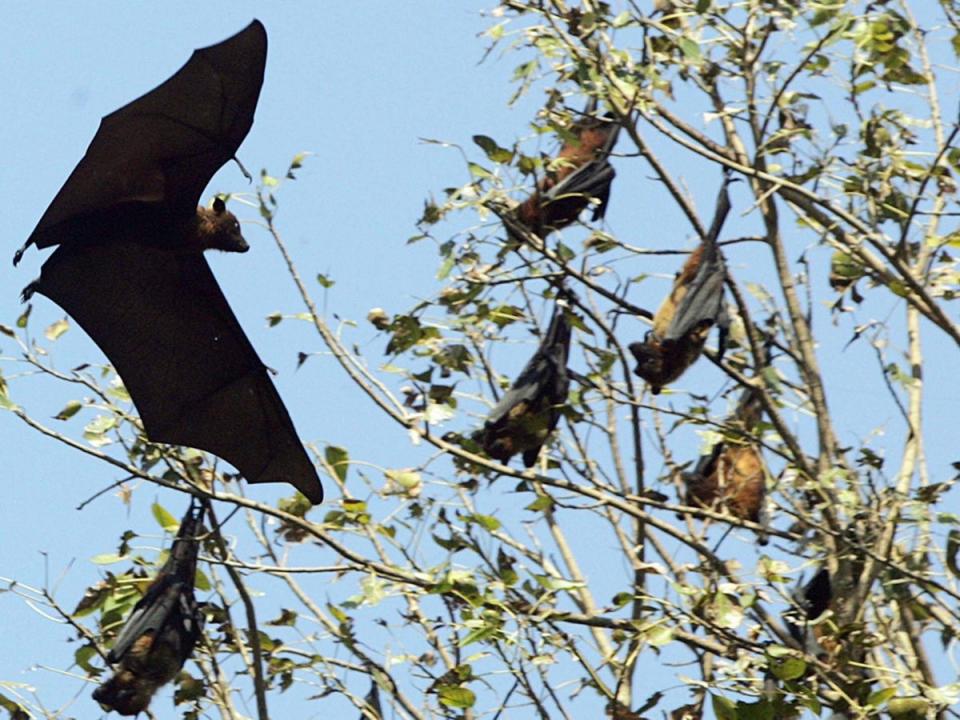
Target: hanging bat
[129, 266]
[581, 174]
[812, 601]
[162, 630]
[694, 305]
[732, 475]
[529, 411]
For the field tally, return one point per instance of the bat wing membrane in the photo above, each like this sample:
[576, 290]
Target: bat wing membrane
[164, 147]
[162, 320]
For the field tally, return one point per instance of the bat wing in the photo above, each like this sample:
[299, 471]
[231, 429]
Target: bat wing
[702, 304]
[163, 322]
[163, 148]
[545, 375]
[150, 614]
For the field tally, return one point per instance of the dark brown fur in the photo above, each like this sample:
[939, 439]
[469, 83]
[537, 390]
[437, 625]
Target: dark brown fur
[733, 476]
[542, 214]
[217, 228]
[162, 630]
[735, 481]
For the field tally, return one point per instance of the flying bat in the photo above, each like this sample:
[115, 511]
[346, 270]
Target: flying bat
[694, 305]
[580, 174]
[529, 411]
[129, 266]
[732, 475]
[162, 630]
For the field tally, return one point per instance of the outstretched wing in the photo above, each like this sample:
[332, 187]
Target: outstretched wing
[163, 148]
[162, 320]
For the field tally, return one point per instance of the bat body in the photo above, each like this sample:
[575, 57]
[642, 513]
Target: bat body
[812, 601]
[732, 476]
[693, 307]
[581, 174]
[162, 630]
[529, 411]
[129, 266]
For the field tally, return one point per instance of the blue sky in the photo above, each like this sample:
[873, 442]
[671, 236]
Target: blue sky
[357, 84]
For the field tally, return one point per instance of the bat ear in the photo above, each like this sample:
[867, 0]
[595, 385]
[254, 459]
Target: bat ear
[219, 206]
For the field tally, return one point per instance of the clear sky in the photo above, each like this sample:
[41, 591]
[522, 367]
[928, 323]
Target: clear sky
[355, 83]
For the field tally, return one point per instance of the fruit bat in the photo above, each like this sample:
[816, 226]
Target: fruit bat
[529, 411]
[732, 475]
[130, 267]
[812, 601]
[580, 174]
[162, 630]
[694, 305]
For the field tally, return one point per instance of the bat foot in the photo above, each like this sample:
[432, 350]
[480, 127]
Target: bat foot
[18, 255]
[29, 291]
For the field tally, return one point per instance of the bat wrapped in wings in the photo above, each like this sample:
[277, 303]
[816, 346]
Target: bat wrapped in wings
[732, 475]
[162, 630]
[129, 266]
[580, 175]
[529, 411]
[812, 601]
[694, 305]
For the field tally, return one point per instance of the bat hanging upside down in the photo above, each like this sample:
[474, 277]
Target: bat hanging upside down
[732, 476]
[130, 269]
[580, 175]
[529, 411]
[812, 601]
[684, 319]
[162, 630]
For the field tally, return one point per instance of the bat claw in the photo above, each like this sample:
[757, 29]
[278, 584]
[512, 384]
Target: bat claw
[18, 255]
[29, 290]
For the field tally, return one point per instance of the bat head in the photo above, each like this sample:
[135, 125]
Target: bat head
[219, 229]
[650, 362]
[125, 693]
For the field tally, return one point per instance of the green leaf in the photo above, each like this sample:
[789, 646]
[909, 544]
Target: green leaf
[106, 559]
[724, 708]
[69, 410]
[56, 329]
[95, 431]
[880, 697]
[544, 502]
[338, 459]
[488, 522]
[325, 282]
[404, 482]
[24, 316]
[556, 584]
[658, 635]
[493, 151]
[167, 521]
[789, 667]
[479, 171]
[691, 49]
[702, 6]
[953, 545]
[456, 697]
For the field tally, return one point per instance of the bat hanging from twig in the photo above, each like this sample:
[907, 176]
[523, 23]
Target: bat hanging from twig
[529, 411]
[733, 475]
[580, 175]
[130, 269]
[694, 305]
[162, 630]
